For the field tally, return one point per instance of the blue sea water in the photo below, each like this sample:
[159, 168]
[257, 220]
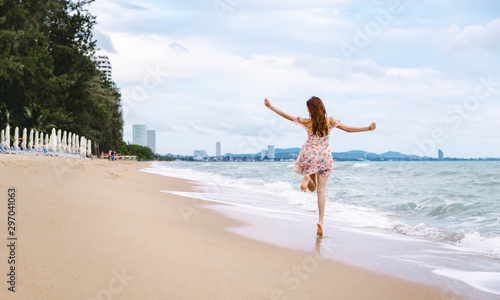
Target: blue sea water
[451, 203]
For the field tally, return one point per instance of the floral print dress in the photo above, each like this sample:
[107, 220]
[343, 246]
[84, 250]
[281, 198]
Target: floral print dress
[315, 155]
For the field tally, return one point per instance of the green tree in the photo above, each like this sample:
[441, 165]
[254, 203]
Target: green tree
[47, 76]
[142, 153]
[25, 61]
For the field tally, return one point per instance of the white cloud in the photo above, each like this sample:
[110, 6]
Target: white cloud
[338, 68]
[104, 42]
[355, 69]
[470, 39]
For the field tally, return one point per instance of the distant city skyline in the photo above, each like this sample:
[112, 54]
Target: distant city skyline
[270, 153]
[290, 154]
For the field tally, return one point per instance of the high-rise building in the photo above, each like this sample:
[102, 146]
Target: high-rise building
[139, 136]
[270, 152]
[440, 154]
[217, 149]
[151, 139]
[262, 153]
[200, 155]
[104, 66]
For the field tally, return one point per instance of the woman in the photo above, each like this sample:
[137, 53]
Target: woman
[315, 160]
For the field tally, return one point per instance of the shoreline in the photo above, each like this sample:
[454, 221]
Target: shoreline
[404, 256]
[94, 229]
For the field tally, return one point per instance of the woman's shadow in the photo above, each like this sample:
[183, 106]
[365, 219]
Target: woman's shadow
[328, 247]
[319, 239]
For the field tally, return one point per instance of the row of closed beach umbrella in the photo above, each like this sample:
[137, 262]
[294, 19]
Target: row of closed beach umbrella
[57, 142]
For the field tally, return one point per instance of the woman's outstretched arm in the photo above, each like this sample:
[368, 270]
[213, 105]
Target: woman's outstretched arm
[353, 129]
[279, 112]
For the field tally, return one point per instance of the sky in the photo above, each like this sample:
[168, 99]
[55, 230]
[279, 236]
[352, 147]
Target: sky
[427, 72]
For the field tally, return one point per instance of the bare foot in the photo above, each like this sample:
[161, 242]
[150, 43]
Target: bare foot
[312, 183]
[305, 183]
[320, 229]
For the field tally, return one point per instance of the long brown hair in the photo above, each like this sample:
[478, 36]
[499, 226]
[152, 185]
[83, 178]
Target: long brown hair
[317, 113]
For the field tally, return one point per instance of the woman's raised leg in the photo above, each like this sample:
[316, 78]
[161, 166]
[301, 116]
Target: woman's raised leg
[305, 183]
[312, 183]
[321, 201]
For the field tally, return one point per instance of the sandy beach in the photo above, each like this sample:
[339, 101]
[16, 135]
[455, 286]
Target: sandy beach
[95, 229]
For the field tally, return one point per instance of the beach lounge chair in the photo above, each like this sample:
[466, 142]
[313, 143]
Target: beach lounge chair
[48, 152]
[5, 150]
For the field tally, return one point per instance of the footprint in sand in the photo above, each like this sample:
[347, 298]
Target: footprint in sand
[113, 175]
[79, 166]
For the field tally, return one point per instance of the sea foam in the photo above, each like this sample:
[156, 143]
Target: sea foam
[412, 203]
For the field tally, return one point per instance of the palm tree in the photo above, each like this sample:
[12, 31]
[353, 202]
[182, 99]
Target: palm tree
[35, 118]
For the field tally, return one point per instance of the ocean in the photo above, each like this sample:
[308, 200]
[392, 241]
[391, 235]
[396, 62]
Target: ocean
[454, 204]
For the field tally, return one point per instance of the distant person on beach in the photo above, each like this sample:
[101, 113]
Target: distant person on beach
[315, 159]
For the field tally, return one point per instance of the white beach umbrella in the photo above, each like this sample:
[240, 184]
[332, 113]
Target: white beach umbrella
[75, 143]
[59, 141]
[52, 145]
[41, 146]
[83, 144]
[2, 139]
[85, 147]
[89, 147]
[70, 144]
[53, 141]
[77, 148]
[30, 144]
[80, 145]
[15, 144]
[64, 141]
[16, 139]
[25, 137]
[46, 144]
[37, 142]
[7, 136]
